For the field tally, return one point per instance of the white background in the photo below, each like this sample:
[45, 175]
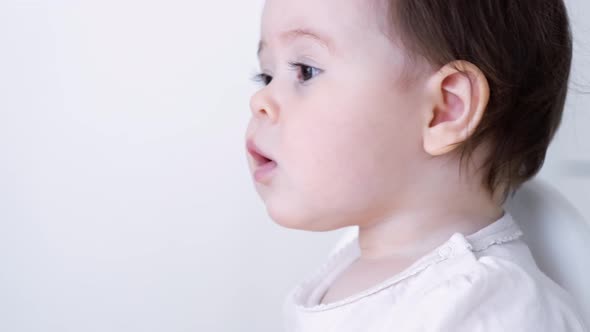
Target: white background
[126, 203]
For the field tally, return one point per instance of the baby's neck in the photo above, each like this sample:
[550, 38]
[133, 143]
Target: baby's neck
[415, 234]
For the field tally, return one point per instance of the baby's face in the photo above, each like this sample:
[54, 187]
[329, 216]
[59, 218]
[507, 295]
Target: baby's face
[345, 136]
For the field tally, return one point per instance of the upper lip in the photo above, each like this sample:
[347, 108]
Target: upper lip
[259, 156]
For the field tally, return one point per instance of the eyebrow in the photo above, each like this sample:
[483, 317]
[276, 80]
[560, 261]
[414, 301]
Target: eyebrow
[301, 33]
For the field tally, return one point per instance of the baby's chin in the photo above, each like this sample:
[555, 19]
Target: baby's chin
[299, 220]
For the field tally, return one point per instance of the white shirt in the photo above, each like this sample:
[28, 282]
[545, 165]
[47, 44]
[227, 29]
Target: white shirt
[483, 282]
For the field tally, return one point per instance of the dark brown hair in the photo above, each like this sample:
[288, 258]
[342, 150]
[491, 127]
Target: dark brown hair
[524, 48]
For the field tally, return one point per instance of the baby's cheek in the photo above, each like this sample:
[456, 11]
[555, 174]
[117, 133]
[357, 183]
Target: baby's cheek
[337, 175]
[333, 163]
[336, 145]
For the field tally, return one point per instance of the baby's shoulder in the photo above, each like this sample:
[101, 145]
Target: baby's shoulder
[499, 293]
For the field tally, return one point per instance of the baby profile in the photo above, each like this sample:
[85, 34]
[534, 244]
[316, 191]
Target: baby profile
[414, 120]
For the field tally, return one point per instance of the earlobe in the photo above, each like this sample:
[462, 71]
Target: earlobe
[460, 94]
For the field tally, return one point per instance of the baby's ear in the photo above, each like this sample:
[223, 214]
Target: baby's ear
[458, 96]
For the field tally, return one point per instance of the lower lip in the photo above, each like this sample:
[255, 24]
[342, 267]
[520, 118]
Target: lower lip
[264, 172]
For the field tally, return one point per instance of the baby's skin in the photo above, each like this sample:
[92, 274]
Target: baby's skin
[359, 133]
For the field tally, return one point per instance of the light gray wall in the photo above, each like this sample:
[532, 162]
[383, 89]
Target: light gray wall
[567, 166]
[125, 199]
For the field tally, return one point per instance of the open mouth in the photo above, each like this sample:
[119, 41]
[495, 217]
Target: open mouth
[257, 154]
[260, 159]
[264, 165]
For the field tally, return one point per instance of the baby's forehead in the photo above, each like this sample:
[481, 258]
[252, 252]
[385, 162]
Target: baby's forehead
[335, 19]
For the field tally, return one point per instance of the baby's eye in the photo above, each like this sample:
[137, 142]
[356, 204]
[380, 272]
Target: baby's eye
[306, 72]
[262, 78]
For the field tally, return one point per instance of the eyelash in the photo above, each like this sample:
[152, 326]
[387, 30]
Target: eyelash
[296, 66]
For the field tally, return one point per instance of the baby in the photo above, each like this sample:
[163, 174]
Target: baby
[413, 120]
